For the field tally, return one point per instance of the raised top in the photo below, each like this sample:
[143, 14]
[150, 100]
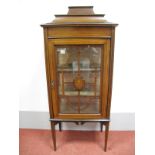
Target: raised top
[81, 10]
[78, 16]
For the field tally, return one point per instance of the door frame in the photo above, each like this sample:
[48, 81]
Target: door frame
[104, 74]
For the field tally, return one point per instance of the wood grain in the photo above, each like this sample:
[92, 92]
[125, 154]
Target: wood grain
[79, 32]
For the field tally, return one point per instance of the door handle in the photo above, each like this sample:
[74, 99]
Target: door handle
[52, 83]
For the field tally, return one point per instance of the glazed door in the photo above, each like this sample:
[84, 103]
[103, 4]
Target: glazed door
[79, 77]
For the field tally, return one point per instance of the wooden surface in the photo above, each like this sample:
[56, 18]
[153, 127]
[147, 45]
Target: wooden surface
[78, 10]
[47, 68]
[79, 32]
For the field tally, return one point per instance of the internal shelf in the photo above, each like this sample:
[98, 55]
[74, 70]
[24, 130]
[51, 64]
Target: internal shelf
[82, 93]
[76, 70]
[88, 83]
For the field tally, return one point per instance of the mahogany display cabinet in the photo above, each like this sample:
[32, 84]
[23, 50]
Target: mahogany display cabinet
[79, 53]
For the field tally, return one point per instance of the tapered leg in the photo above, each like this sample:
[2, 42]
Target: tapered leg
[106, 135]
[101, 126]
[60, 126]
[53, 135]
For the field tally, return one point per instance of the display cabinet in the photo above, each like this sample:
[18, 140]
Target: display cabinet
[79, 52]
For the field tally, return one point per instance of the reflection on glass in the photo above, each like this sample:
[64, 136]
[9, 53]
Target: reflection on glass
[78, 70]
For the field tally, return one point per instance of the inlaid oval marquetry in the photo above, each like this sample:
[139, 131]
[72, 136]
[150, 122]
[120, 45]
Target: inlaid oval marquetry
[79, 83]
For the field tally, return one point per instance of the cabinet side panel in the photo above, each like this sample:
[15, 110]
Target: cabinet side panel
[105, 76]
[110, 73]
[48, 72]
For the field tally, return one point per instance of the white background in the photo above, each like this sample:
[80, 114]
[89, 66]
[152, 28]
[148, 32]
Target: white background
[21, 62]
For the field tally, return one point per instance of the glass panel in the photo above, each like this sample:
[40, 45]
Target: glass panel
[89, 105]
[68, 105]
[78, 70]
